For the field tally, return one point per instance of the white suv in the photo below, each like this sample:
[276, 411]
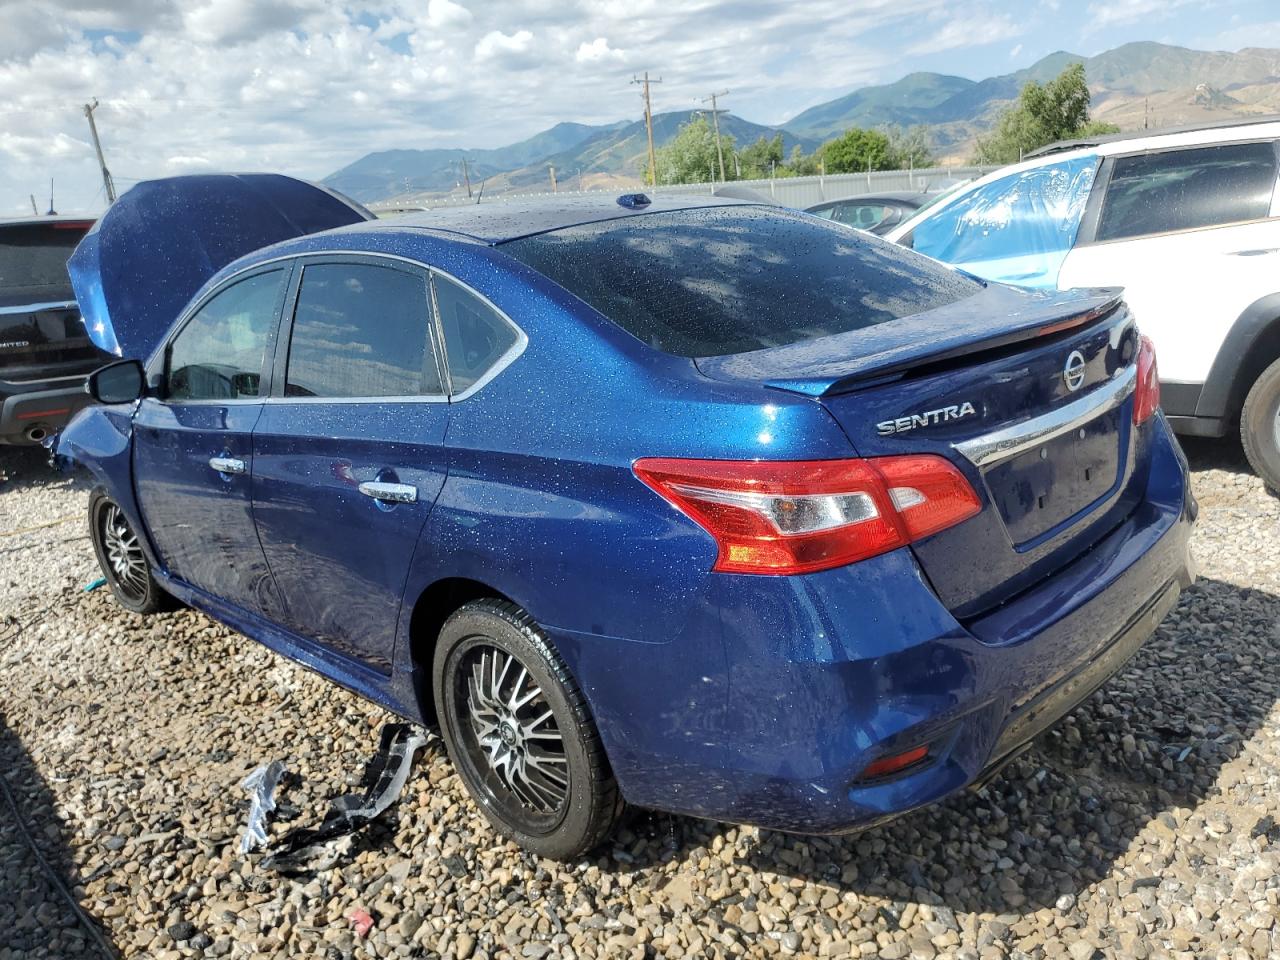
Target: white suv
[1187, 221]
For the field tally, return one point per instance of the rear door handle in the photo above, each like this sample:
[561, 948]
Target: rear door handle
[227, 465]
[389, 492]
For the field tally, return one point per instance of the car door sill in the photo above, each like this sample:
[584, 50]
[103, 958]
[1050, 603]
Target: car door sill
[362, 680]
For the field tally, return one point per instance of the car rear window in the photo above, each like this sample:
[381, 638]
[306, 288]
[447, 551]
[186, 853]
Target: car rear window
[34, 258]
[724, 280]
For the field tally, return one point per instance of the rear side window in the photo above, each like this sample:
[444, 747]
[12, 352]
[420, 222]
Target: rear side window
[723, 280]
[221, 352]
[33, 260]
[1188, 189]
[1017, 229]
[476, 337]
[361, 330]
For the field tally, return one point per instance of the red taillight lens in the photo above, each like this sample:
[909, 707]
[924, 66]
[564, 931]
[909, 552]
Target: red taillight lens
[1146, 396]
[799, 516]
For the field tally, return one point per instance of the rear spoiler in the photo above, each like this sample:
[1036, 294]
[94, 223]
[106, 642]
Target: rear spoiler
[996, 319]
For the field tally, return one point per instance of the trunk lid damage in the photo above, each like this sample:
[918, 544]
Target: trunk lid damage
[158, 244]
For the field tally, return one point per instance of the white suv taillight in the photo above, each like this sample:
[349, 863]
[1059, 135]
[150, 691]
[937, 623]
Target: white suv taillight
[800, 516]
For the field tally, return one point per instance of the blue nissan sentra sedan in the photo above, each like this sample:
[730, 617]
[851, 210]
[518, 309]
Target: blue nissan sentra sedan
[688, 503]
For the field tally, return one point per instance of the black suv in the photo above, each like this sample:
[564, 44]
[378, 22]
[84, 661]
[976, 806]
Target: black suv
[45, 352]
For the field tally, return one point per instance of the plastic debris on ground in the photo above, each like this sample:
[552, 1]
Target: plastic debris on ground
[261, 785]
[361, 922]
[305, 850]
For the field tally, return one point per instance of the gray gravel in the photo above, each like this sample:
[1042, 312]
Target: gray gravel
[1147, 825]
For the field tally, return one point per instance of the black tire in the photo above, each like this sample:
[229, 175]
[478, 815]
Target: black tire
[504, 769]
[131, 581]
[1260, 426]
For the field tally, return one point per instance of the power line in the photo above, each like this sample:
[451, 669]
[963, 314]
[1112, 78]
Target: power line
[648, 123]
[97, 146]
[715, 117]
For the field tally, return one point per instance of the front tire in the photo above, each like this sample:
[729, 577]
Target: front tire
[123, 561]
[1260, 426]
[519, 732]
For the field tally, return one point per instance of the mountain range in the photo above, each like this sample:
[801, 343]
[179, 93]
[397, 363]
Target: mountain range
[1135, 85]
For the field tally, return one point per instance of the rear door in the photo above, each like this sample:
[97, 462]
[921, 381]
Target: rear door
[193, 457]
[348, 455]
[1192, 236]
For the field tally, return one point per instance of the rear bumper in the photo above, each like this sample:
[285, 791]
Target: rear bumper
[32, 409]
[819, 676]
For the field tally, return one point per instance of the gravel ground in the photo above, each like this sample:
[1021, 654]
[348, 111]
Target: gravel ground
[1146, 825]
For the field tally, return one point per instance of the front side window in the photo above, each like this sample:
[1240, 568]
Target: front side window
[221, 353]
[1017, 229]
[1188, 189]
[361, 330]
[475, 336]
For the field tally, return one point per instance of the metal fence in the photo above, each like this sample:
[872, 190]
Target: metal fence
[797, 192]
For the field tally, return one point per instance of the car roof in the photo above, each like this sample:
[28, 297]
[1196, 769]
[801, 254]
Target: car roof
[1220, 131]
[918, 197]
[497, 221]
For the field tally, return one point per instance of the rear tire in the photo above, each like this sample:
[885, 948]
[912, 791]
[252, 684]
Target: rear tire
[123, 561]
[1260, 426]
[520, 734]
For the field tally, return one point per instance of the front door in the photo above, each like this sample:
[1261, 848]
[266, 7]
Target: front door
[193, 452]
[348, 456]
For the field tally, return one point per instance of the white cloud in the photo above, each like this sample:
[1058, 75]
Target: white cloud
[968, 28]
[1017, 49]
[308, 86]
[596, 51]
[446, 13]
[496, 44]
[1111, 13]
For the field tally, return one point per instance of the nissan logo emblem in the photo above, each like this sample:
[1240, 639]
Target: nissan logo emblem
[1073, 372]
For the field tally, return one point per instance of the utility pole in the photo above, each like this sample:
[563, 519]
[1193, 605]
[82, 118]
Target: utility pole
[34, 211]
[555, 187]
[97, 145]
[648, 123]
[466, 175]
[715, 118]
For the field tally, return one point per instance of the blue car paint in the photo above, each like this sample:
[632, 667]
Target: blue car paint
[753, 699]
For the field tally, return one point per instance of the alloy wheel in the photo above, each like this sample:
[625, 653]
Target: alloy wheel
[124, 553]
[514, 742]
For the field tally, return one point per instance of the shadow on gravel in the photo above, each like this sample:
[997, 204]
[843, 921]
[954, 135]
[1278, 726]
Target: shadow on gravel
[35, 918]
[27, 468]
[1154, 738]
[1220, 453]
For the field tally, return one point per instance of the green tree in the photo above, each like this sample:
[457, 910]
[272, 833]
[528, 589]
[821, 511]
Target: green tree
[909, 148]
[690, 156]
[855, 151]
[800, 164]
[1044, 113]
[762, 158]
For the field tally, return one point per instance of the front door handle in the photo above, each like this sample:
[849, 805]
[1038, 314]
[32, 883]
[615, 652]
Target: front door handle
[389, 492]
[227, 465]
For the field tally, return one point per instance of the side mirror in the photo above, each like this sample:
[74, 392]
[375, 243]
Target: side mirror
[119, 382]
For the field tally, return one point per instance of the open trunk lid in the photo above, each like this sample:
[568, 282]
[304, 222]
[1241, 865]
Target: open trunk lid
[1030, 395]
[159, 243]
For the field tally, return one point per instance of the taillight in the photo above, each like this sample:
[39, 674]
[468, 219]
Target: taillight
[799, 516]
[1146, 396]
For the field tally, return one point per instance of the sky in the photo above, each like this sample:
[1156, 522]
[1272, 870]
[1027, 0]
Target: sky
[307, 86]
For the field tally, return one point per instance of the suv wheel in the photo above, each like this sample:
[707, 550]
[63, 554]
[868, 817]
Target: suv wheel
[519, 732]
[1260, 426]
[123, 561]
